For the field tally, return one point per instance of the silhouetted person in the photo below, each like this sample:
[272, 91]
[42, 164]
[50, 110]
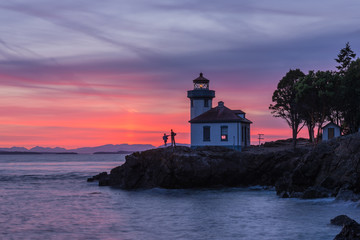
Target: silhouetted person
[165, 138]
[173, 138]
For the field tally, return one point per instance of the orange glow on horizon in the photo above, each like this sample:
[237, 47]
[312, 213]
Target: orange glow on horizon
[77, 113]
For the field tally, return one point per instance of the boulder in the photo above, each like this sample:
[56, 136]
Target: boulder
[101, 177]
[347, 195]
[341, 220]
[315, 192]
[350, 231]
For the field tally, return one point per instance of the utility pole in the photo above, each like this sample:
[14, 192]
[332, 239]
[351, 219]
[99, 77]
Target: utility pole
[260, 137]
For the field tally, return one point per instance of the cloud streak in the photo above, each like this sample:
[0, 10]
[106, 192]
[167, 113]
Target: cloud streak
[127, 65]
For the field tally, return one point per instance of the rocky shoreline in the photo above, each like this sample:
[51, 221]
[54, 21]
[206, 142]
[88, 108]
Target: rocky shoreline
[183, 167]
[330, 169]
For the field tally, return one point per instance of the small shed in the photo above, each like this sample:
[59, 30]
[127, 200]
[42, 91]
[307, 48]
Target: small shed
[330, 130]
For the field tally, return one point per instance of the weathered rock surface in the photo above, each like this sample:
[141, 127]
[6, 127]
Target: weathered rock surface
[350, 230]
[182, 167]
[341, 220]
[329, 169]
[103, 179]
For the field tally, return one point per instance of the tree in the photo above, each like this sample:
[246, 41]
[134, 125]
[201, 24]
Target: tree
[325, 85]
[345, 58]
[286, 106]
[315, 96]
[350, 91]
[307, 99]
[336, 102]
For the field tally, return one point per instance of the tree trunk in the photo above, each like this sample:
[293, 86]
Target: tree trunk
[311, 133]
[294, 133]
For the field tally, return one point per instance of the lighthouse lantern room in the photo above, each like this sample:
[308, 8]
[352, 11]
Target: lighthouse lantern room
[201, 97]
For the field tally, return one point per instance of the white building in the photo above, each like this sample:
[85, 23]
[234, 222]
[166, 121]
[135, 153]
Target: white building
[330, 130]
[218, 126]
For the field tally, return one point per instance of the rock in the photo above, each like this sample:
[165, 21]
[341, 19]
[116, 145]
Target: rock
[333, 165]
[315, 192]
[296, 194]
[183, 167]
[350, 231]
[347, 195]
[101, 177]
[331, 168]
[104, 181]
[284, 194]
[341, 220]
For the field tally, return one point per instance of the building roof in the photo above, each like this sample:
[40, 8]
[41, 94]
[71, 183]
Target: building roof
[220, 114]
[331, 124]
[238, 112]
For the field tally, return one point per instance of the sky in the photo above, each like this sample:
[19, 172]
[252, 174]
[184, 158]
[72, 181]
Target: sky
[88, 72]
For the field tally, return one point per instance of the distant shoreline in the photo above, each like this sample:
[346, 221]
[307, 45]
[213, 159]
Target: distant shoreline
[32, 153]
[63, 153]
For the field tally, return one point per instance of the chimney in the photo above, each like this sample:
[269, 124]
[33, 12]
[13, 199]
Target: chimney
[221, 104]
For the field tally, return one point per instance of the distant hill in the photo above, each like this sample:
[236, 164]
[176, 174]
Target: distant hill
[47, 149]
[88, 150]
[14, 149]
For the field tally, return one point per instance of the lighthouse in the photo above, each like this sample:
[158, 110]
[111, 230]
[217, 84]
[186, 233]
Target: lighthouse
[201, 97]
[218, 126]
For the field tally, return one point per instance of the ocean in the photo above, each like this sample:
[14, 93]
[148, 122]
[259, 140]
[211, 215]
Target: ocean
[48, 197]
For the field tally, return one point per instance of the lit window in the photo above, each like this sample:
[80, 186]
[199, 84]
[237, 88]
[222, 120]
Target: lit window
[224, 133]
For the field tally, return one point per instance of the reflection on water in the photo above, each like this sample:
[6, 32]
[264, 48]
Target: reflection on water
[47, 197]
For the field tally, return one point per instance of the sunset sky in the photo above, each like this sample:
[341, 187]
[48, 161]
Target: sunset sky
[89, 72]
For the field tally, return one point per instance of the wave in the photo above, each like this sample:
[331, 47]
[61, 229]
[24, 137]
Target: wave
[46, 177]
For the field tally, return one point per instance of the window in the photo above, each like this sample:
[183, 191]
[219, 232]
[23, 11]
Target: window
[192, 103]
[206, 102]
[224, 133]
[206, 134]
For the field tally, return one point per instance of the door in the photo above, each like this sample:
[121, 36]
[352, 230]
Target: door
[331, 133]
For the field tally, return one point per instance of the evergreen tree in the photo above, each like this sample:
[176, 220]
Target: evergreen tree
[345, 57]
[350, 91]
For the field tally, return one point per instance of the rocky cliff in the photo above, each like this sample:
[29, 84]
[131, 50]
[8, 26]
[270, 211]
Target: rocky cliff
[183, 167]
[328, 169]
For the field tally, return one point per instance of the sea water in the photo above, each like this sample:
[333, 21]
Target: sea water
[48, 197]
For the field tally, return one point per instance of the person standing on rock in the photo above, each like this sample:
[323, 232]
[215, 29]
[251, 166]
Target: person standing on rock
[173, 138]
[165, 138]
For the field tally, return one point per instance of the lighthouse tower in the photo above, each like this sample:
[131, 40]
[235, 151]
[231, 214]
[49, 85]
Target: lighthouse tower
[201, 97]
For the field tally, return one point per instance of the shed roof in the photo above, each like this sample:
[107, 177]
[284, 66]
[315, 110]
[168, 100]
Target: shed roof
[331, 124]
